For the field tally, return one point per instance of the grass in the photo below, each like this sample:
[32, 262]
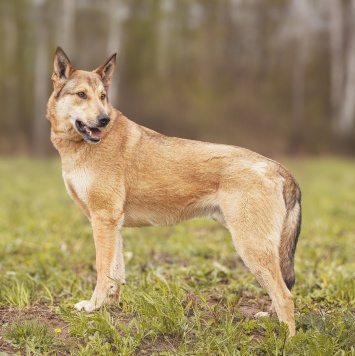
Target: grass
[187, 291]
[32, 336]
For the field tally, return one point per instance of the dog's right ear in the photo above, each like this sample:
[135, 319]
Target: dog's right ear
[62, 70]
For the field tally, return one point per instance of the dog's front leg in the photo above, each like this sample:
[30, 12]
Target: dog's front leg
[118, 269]
[109, 256]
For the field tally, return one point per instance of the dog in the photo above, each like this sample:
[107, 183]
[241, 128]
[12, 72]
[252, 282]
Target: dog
[123, 174]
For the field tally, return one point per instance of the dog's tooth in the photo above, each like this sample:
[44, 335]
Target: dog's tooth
[88, 131]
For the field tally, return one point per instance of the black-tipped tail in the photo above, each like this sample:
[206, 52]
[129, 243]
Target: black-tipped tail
[290, 231]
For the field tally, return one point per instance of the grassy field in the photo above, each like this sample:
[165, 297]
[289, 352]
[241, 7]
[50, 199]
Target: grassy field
[187, 291]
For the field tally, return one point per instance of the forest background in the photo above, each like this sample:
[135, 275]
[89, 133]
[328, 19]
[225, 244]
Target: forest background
[274, 76]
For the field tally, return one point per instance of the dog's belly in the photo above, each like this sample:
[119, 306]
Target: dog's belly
[169, 214]
[137, 217]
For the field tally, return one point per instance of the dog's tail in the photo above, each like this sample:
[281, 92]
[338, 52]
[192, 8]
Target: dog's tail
[291, 229]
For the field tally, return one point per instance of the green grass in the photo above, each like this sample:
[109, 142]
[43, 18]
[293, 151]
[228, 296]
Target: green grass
[187, 291]
[32, 336]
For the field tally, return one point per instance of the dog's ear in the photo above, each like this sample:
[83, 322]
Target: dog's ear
[106, 71]
[63, 68]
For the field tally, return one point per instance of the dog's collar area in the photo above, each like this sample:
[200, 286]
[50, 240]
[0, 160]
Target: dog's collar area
[90, 134]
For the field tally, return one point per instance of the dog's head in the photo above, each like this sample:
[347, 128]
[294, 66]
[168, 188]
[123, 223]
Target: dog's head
[79, 108]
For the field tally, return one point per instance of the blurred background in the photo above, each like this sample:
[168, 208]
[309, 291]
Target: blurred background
[274, 76]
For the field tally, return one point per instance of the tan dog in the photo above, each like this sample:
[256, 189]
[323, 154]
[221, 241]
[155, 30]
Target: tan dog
[122, 174]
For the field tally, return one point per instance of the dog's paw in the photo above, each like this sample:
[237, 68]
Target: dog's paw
[261, 315]
[86, 305]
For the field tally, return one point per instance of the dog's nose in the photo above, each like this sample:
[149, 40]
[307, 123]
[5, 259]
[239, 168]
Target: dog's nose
[103, 120]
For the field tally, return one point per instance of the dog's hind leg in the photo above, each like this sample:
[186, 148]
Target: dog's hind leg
[109, 259]
[255, 225]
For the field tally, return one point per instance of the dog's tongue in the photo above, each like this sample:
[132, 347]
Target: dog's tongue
[93, 132]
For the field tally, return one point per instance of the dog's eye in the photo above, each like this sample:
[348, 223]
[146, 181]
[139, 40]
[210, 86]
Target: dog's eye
[81, 94]
[103, 96]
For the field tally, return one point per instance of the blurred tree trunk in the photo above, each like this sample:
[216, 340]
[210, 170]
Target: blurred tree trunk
[41, 75]
[117, 13]
[300, 10]
[347, 108]
[298, 95]
[336, 44]
[11, 84]
[66, 26]
[164, 35]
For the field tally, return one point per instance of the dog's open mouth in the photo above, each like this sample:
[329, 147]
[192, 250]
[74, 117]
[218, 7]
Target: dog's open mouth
[92, 134]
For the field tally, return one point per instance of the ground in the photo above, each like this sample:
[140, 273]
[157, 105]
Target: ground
[187, 291]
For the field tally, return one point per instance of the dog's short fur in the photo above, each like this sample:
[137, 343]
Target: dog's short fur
[134, 176]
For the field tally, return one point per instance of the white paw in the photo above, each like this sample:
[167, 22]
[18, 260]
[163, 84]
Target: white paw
[86, 305]
[261, 315]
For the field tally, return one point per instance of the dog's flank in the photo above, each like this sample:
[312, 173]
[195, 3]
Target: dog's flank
[123, 174]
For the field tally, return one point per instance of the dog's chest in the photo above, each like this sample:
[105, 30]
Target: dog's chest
[78, 183]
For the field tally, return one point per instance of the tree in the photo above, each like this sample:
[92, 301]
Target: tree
[336, 45]
[117, 12]
[347, 104]
[41, 70]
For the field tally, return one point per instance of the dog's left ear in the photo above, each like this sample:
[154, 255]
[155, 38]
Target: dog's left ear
[106, 71]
